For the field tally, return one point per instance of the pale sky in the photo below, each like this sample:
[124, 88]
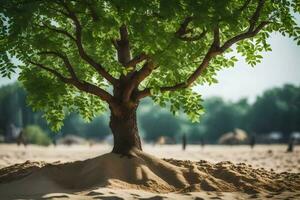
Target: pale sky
[278, 67]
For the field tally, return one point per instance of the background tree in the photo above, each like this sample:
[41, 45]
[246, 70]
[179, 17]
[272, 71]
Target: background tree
[278, 109]
[156, 125]
[223, 117]
[35, 135]
[14, 110]
[72, 52]
[154, 122]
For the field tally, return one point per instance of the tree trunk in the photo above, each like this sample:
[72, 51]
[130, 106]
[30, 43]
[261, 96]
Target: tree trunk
[125, 131]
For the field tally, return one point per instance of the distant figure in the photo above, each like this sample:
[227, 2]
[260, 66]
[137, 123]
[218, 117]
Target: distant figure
[54, 141]
[21, 138]
[291, 145]
[202, 142]
[91, 143]
[252, 141]
[184, 141]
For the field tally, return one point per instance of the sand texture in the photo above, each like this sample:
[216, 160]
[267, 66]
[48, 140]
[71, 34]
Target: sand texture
[144, 176]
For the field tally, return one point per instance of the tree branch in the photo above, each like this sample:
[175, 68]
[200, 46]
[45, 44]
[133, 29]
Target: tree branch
[122, 46]
[183, 31]
[253, 20]
[52, 71]
[81, 85]
[194, 38]
[78, 32]
[214, 50]
[65, 59]
[92, 89]
[92, 11]
[137, 78]
[243, 36]
[245, 5]
[210, 54]
[57, 10]
[216, 33]
[137, 59]
[58, 31]
[114, 42]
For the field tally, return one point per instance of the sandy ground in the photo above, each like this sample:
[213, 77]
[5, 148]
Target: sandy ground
[270, 157]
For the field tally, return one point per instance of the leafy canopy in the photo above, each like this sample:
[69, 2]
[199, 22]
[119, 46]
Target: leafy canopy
[67, 50]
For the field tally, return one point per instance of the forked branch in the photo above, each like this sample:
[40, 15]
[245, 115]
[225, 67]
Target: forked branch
[61, 31]
[215, 49]
[136, 60]
[122, 46]
[137, 78]
[183, 31]
[78, 40]
[65, 59]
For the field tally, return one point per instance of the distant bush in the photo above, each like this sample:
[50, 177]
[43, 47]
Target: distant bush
[35, 135]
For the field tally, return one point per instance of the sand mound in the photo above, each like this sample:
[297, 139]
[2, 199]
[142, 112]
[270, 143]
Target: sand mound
[142, 171]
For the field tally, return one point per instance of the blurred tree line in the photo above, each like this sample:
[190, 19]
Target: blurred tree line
[276, 110]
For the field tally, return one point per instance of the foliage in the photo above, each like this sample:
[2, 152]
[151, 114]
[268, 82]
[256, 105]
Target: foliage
[277, 109]
[35, 135]
[96, 129]
[159, 123]
[224, 117]
[80, 34]
[14, 110]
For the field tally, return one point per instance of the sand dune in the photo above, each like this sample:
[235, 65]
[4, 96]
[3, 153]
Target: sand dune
[111, 176]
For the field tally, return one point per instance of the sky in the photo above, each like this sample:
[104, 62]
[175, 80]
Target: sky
[278, 67]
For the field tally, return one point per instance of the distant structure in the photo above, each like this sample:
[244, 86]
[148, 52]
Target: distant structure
[161, 140]
[238, 136]
[184, 141]
[274, 137]
[71, 140]
[165, 140]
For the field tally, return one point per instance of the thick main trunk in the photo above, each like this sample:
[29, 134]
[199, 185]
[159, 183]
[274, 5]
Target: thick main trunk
[125, 131]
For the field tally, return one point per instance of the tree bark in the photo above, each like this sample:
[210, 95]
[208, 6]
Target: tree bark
[125, 131]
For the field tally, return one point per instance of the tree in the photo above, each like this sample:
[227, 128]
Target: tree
[90, 55]
[159, 124]
[35, 135]
[223, 118]
[11, 108]
[278, 109]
